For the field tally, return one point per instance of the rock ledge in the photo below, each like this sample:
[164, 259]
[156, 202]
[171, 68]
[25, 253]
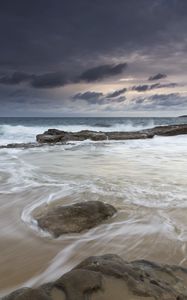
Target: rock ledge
[109, 277]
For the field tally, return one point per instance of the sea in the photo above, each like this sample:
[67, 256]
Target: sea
[146, 180]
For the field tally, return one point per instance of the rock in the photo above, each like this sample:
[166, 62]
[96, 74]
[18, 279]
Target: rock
[169, 130]
[20, 145]
[46, 137]
[49, 138]
[28, 294]
[87, 134]
[58, 220]
[54, 132]
[109, 277]
[55, 135]
[129, 135]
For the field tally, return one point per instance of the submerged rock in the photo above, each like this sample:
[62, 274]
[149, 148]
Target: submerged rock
[58, 220]
[109, 277]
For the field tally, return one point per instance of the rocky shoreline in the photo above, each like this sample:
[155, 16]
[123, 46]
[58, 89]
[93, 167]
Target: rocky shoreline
[56, 136]
[109, 277]
[106, 277]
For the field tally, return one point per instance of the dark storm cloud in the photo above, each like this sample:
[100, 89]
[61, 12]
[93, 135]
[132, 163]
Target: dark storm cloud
[168, 100]
[157, 77]
[159, 101]
[117, 93]
[90, 97]
[141, 88]
[58, 79]
[118, 99]
[15, 78]
[48, 44]
[146, 87]
[43, 34]
[102, 72]
[99, 98]
[49, 80]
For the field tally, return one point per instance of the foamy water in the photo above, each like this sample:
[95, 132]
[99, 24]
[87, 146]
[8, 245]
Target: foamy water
[25, 134]
[146, 180]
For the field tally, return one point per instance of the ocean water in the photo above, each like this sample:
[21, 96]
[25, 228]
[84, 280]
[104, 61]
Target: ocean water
[25, 129]
[146, 180]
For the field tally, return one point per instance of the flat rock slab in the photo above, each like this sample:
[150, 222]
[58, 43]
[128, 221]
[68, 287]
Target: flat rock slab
[109, 277]
[21, 146]
[53, 136]
[169, 130]
[56, 136]
[59, 219]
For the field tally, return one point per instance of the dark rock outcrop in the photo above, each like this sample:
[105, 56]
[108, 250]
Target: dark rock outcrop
[56, 136]
[21, 146]
[129, 135]
[47, 137]
[169, 130]
[58, 220]
[109, 277]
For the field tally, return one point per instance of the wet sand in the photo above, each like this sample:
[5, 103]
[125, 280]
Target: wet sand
[150, 195]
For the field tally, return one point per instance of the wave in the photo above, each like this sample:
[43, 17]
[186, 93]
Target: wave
[25, 134]
[101, 125]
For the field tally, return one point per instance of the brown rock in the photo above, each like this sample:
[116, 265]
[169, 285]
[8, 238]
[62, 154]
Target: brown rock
[28, 294]
[53, 136]
[20, 145]
[49, 138]
[129, 135]
[170, 130]
[109, 277]
[74, 218]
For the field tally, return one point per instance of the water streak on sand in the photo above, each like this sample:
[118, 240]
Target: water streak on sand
[145, 180]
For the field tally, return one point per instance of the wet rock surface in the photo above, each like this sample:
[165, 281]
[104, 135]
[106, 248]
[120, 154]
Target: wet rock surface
[55, 135]
[59, 219]
[21, 146]
[109, 277]
[169, 130]
[91, 135]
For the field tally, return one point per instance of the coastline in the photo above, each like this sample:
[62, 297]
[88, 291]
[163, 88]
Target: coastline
[149, 196]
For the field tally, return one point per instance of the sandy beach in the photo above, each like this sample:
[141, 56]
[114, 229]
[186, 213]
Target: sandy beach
[143, 179]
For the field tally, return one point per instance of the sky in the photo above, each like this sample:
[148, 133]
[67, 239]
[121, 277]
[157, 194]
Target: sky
[93, 58]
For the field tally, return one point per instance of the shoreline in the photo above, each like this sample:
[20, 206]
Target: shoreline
[59, 137]
[149, 195]
[108, 276]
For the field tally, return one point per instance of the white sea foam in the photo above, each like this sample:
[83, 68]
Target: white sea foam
[144, 179]
[20, 133]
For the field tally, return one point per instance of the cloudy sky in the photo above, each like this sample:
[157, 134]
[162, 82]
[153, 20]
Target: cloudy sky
[93, 57]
